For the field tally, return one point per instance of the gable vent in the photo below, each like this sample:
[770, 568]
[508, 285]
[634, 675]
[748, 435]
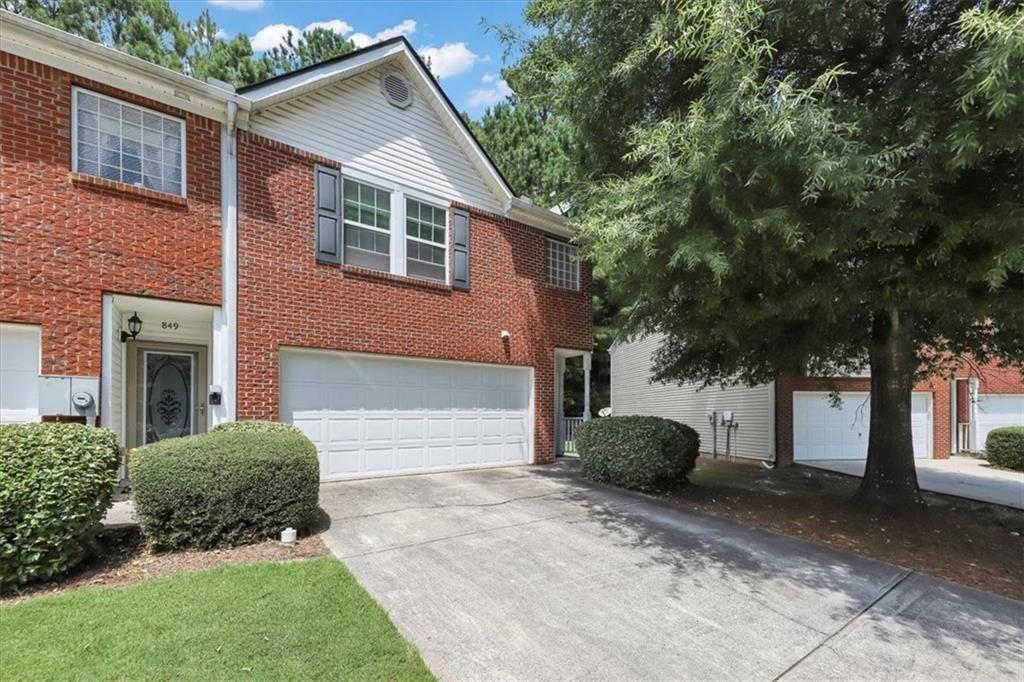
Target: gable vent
[396, 89]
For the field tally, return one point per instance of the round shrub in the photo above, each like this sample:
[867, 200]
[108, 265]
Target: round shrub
[636, 452]
[56, 481]
[256, 426]
[224, 488]
[1004, 447]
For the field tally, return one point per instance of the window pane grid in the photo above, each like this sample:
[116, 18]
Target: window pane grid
[126, 143]
[426, 228]
[367, 218]
[367, 206]
[563, 265]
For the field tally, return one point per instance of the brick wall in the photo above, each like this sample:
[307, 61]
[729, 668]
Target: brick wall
[67, 239]
[784, 387]
[287, 298]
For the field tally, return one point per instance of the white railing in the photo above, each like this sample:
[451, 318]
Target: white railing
[963, 436]
[569, 426]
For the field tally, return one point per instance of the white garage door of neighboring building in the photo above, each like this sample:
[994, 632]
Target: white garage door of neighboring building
[380, 416]
[19, 373]
[821, 431]
[998, 410]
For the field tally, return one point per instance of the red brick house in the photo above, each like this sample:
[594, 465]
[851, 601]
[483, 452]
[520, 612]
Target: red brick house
[330, 248]
[793, 419]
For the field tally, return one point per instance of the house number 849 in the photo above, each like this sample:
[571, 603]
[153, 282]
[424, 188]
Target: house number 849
[169, 325]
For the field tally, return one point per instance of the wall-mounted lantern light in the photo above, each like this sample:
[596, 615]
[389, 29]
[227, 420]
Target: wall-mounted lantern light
[134, 327]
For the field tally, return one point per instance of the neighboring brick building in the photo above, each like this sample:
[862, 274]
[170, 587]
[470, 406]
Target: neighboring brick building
[793, 418]
[330, 248]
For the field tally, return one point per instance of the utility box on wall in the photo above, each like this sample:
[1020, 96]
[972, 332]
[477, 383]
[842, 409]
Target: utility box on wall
[69, 396]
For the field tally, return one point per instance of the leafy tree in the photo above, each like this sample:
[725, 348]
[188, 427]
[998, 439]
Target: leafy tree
[231, 61]
[533, 149]
[311, 47]
[148, 29]
[800, 186]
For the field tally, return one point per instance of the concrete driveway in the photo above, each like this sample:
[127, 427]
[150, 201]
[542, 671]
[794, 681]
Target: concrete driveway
[960, 476]
[529, 574]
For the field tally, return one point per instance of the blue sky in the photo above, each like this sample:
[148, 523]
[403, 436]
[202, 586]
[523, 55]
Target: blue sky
[463, 54]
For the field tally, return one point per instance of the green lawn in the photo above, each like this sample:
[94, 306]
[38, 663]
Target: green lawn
[301, 620]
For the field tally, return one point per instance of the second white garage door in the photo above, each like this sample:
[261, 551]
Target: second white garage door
[998, 410]
[821, 431]
[379, 416]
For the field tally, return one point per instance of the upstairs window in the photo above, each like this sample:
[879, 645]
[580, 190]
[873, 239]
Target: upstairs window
[563, 265]
[426, 249]
[367, 226]
[127, 143]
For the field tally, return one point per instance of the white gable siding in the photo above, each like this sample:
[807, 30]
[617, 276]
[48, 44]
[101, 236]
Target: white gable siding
[353, 123]
[632, 393]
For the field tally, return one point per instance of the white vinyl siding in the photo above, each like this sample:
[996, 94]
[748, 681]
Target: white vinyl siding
[426, 229]
[563, 265]
[127, 143]
[352, 122]
[632, 393]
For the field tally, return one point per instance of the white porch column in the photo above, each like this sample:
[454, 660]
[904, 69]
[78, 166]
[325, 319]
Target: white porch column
[972, 390]
[586, 386]
[559, 399]
[225, 318]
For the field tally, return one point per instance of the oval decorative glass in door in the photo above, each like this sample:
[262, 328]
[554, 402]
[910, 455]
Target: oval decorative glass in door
[168, 395]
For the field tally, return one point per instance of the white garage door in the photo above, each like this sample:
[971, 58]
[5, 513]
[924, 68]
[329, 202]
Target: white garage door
[821, 431]
[380, 416]
[998, 410]
[19, 373]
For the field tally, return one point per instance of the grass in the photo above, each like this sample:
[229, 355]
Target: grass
[300, 620]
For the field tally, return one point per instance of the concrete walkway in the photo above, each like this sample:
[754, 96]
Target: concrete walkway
[529, 574]
[960, 476]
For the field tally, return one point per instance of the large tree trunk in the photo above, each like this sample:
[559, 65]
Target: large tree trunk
[890, 479]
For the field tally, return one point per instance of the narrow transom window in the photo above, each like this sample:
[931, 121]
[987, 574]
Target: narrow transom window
[367, 226]
[128, 143]
[426, 227]
[563, 265]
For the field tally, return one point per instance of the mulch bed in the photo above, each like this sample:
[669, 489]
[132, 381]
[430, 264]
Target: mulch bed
[972, 543]
[123, 559]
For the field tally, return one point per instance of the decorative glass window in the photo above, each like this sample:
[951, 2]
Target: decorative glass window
[563, 265]
[426, 227]
[127, 143]
[367, 226]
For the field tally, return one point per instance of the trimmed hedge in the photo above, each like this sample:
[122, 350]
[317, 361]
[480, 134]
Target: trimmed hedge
[225, 487]
[636, 452]
[1004, 447]
[256, 426]
[56, 482]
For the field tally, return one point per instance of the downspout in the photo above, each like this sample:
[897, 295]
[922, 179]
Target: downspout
[225, 327]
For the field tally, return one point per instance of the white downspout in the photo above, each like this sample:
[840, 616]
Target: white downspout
[586, 386]
[225, 339]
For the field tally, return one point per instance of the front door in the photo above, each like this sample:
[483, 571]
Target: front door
[169, 401]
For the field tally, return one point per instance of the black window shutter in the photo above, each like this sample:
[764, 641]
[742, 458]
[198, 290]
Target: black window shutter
[460, 249]
[328, 215]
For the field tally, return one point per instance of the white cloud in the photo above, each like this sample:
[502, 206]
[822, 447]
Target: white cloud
[271, 36]
[485, 97]
[450, 59]
[336, 25]
[404, 28]
[240, 5]
[221, 34]
[488, 78]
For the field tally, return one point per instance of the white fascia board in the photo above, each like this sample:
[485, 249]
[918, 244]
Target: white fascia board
[284, 89]
[553, 223]
[47, 45]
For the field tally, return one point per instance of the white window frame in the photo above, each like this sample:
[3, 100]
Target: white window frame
[391, 224]
[74, 138]
[399, 193]
[549, 273]
[445, 245]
